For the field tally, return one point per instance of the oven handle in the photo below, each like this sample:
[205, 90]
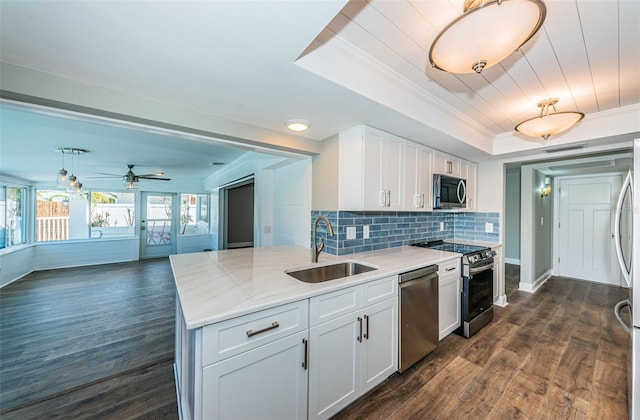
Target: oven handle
[476, 270]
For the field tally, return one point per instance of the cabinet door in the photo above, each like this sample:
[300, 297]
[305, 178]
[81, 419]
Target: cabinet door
[449, 301]
[334, 368]
[372, 174]
[446, 164]
[469, 172]
[418, 178]
[236, 387]
[380, 343]
[393, 175]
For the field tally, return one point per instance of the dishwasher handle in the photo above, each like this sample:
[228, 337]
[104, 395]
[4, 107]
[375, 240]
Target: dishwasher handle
[429, 272]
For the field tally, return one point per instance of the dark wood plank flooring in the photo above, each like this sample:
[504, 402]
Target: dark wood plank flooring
[556, 354]
[98, 342]
[89, 341]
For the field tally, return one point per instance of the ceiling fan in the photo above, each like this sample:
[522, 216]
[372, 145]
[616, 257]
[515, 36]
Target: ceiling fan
[130, 179]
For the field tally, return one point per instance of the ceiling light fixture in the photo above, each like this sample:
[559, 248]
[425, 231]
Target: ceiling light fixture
[71, 182]
[486, 33]
[298, 125]
[547, 123]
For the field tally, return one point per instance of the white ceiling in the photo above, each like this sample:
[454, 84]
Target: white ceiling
[259, 63]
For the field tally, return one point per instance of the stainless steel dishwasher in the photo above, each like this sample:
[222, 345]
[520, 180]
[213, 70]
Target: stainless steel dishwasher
[418, 315]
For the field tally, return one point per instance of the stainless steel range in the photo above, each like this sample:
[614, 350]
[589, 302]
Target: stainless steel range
[477, 279]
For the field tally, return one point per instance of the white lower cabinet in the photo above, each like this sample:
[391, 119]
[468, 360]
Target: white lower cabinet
[352, 353]
[268, 382]
[305, 359]
[449, 299]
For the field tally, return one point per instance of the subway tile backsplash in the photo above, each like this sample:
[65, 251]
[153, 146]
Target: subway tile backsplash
[392, 229]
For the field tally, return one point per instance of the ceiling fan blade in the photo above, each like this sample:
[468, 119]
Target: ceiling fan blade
[153, 177]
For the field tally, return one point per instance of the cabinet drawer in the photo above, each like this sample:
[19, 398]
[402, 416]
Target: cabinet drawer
[450, 267]
[237, 335]
[333, 305]
[379, 290]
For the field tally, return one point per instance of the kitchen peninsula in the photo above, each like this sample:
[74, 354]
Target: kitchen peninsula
[249, 337]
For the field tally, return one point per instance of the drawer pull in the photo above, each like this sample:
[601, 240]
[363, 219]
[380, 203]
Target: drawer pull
[274, 325]
[450, 269]
[359, 337]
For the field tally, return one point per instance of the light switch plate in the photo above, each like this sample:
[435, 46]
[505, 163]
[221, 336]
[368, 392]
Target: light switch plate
[441, 226]
[488, 227]
[365, 232]
[351, 232]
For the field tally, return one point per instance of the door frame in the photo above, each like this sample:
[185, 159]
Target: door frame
[175, 210]
[556, 217]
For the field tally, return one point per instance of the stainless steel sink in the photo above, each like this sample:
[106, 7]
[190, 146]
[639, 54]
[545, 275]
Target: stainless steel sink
[322, 273]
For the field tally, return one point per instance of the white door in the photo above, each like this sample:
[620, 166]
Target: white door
[157, 226]
[586, 247]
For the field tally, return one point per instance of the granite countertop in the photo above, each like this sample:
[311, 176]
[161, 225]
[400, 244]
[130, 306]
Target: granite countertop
[219, 285]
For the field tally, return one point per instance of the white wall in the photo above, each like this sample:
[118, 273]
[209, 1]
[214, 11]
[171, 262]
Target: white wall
[278, 182]
[512, 217]
[193, 243]
[292, 204]
[15, 264]
[73, 254]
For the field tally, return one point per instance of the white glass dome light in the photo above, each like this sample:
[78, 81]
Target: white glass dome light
[549, 123]
[486, 33]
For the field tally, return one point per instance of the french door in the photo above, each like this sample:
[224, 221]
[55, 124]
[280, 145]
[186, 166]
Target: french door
[158, 224]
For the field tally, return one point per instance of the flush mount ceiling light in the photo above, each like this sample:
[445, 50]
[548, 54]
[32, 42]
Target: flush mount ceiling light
[548, 124]
[297, 125]
[485, 34]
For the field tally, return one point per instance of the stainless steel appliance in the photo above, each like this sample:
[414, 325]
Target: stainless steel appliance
[627, 236]
[477, 283]
[418, 315]
[449, 192]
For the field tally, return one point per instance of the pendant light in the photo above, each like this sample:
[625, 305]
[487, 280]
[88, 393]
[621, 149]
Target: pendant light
[549, 123]
[61, 179]
[486, 33]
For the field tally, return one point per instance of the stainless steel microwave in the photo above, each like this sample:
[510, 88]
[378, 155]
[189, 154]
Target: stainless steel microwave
[449, 192]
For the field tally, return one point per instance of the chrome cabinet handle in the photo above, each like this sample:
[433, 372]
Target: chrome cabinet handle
[274, 325]
[360, 334]
[306, 350]
[366, 331]
[388, 198]
[450, 268]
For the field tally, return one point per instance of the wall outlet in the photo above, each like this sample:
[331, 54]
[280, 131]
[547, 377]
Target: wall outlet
[267, 229]
[488, 227]
[441, 226]
[541, 221]
[351, 232]
[365, 232]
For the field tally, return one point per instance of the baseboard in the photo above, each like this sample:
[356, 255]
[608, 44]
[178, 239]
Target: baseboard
[514, 261]
[501, 301]
[532, 288]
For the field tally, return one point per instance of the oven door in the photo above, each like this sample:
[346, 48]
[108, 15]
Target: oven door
[478, 291]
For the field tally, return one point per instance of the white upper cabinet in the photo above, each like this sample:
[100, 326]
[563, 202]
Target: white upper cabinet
[446, 164]
[470, 173]
[382, 174]
[418, 179]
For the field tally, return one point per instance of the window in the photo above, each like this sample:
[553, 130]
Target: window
[62, 216]
[12, 223]
[194, 214]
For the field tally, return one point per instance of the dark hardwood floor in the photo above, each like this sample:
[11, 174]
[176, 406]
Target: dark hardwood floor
[98, 342]
[89, 342]
[556, 354]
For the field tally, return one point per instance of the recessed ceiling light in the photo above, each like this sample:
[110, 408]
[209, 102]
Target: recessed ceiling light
[159, 173]
[298, 125]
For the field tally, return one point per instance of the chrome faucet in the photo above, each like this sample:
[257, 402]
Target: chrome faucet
[316, 250]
